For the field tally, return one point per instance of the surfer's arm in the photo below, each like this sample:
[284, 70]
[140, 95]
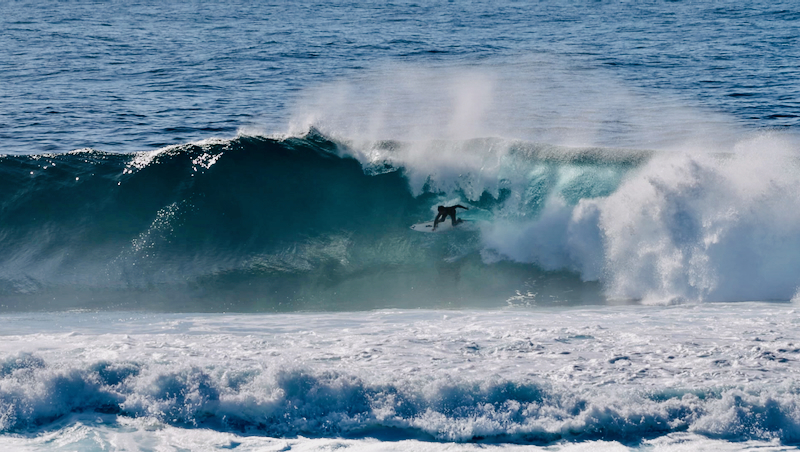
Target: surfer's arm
[459, 205]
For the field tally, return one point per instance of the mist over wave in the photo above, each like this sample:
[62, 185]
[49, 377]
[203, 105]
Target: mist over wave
[537, 98]
[309, 222]
[707, 215]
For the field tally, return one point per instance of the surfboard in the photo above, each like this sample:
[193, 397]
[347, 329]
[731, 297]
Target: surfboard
[443, 226]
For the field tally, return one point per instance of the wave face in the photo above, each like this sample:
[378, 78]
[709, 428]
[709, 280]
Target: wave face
[308, 222]
[263, 224]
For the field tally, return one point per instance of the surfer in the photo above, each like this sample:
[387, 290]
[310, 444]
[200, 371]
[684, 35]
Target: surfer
[444, 212]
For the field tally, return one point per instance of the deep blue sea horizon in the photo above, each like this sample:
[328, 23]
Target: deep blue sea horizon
[136, 76]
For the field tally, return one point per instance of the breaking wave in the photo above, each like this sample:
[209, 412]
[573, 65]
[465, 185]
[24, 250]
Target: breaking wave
[308, 222]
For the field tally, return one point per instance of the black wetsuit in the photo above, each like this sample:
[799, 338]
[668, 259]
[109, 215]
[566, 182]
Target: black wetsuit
[444, 212]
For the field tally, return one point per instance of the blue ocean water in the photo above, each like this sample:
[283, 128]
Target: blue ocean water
[135, 77]
[631, 175]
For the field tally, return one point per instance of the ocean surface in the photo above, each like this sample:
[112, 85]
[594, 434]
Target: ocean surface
[205, 213]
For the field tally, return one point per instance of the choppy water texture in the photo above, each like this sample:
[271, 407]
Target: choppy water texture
[626, 281]
[134, 77]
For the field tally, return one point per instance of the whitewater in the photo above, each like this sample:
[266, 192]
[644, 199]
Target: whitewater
[205, 216]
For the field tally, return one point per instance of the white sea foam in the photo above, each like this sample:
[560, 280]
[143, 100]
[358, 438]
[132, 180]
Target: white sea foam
[683, 227]
[618, 375]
